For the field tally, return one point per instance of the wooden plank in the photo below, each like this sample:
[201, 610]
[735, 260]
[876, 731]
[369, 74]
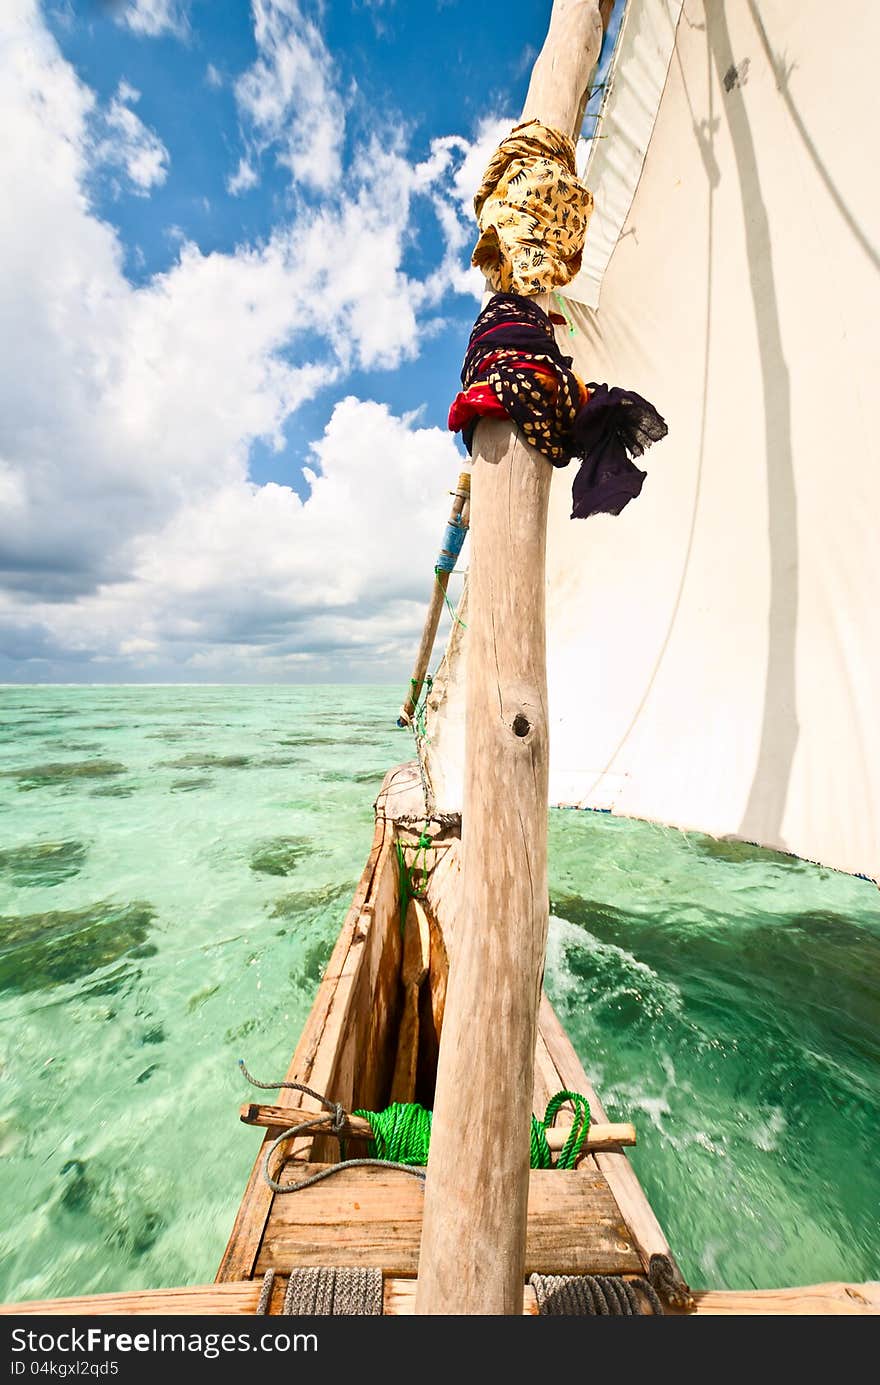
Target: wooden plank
[235, 1298]
[279, 1118]
[828, 1299]
[374, 1021]
[403, 1083]
[547, 1081]
[402, 795]
[240, 1299]
[837, 1300]
[443, 893]
[374, 1217]
[414, 969]
[241, 1250]
[354, 1062]
[637, 1212]
[416, 945]
[432, 1000]
[400, 1299]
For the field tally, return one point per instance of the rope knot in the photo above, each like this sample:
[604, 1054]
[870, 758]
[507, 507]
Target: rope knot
[666, 1280]
[339, 1118]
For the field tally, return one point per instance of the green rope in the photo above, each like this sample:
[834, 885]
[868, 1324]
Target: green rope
[540, 1150]
[408, 888]
[402, 1133]
[572, 330]
[449, 606]
[420, 710]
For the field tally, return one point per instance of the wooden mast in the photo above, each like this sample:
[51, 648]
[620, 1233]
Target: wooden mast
[472, 1258]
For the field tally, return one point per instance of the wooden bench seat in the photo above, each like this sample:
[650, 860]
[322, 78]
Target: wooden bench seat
[363, 1216]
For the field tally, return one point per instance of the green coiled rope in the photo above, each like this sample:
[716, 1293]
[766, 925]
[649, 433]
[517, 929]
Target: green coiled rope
[402, 1133]
[540, 1150]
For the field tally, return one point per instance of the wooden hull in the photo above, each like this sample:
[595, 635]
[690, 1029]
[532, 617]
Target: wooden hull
[369, 1037]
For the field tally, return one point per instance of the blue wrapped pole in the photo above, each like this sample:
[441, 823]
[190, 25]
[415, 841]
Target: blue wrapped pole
[450, 548]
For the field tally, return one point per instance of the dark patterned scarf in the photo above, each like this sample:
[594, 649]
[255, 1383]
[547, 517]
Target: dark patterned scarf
[514, 368]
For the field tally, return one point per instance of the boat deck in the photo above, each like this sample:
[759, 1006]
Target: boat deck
[594, 1219]
[373, 1217]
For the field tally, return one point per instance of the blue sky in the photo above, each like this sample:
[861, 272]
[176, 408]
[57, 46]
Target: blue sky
[238, 283]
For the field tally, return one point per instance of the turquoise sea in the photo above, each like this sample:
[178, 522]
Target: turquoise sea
[175, 863]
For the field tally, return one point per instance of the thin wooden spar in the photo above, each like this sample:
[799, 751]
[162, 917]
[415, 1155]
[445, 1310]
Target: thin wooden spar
[458, 518]
[600, 1136]
[472, 1258]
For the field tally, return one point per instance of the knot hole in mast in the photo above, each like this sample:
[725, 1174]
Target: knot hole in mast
[521, 725]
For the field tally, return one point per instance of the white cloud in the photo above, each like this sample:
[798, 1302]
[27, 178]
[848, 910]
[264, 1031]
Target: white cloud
[477, 153]
[126, 143]
[244, 177]
[213, 76]
[450, 176]
[288, 98]
[251, 575]
[154, 17]
[129, 529]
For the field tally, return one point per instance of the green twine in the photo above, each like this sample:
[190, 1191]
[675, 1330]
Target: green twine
[449, 606]
[402, 1133]
[424, 844]
[408, 889]
[420, 710]
[539, 1148]
[572, 330]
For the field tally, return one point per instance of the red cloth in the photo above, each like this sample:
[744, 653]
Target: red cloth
[477, 402]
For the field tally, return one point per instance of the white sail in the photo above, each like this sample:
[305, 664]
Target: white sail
[713, 659]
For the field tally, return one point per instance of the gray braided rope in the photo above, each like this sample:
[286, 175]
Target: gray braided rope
[592, 1295]
[337, 1124]
[265, 1293]
[330, 1291]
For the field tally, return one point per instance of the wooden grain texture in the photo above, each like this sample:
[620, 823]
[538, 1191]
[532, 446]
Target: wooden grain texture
[374, 1217]
[432, 1001]
[475, 1209]
[356, 1057]
[403, 1083]
[219, 1300]
[414, 969]
[443, 894]
[561, 74]
[400, 1299]
[279, 1118]
[813, 1300]
[402, 795]
[416, 945]
[240, 1299]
